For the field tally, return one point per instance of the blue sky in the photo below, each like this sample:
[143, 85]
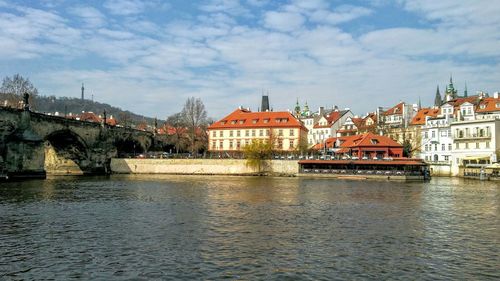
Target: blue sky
[149, 56]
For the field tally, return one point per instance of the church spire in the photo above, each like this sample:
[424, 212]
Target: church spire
[465, 91]
[437, 100]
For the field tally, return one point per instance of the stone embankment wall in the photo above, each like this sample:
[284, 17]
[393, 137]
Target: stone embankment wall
[201, 167]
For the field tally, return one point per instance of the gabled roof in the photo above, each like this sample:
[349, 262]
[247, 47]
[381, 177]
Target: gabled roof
[329, 142]
[332, 117]
[419, 118]
[395, 110]
[242, 118]
[370, 139]
[488, 105]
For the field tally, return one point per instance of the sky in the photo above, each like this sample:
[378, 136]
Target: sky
[150, 56]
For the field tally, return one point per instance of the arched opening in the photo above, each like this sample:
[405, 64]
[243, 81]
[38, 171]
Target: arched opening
[436, 158]
[66, 153]
[129, 148]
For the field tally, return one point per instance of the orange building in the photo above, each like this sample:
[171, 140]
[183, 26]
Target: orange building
[243, 126]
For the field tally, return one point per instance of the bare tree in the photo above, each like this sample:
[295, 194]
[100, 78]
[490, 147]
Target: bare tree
[195, 117]
[179, 129]
[17, 86]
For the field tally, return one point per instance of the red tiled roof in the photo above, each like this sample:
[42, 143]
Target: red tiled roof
[330, 142]
[90, 117]
[331, 118]
[241, 118]
[488, 105]
[397, 109]
[370, 139]
[419, 118]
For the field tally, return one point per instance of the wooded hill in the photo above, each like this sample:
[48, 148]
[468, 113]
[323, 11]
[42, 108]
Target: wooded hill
[52, 104]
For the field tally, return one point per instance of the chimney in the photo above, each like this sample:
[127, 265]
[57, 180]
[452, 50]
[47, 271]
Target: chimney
[495, 95]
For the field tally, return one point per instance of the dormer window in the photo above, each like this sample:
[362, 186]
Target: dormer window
[277, 120]
[497, 105]
[254, 121]
[223, 122]
[482, 106]
[242, 121]
[233, 122]
[266, 120]
[374, 141]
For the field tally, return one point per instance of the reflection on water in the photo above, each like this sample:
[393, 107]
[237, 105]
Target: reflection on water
[248, 228]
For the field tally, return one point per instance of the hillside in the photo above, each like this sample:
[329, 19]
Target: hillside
[52, 104]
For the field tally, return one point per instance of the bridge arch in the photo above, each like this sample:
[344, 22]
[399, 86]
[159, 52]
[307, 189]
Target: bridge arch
[66, 152]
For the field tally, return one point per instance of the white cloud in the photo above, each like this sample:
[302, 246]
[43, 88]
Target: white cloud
[283, 21]
[90, 15]
[125, 7]
[340, 15]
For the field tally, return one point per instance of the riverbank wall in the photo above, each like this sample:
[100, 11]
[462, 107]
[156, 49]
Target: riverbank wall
[202, 167]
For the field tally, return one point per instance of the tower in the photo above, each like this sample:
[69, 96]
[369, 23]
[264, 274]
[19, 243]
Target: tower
[83, 92]
[450, 93]
[437, 100]
[465, 91]
[265, 103]
[297, 108]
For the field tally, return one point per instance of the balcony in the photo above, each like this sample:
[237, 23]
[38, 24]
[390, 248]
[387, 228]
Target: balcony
[473, 137]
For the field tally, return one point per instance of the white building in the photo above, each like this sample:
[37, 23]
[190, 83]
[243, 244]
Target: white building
[475, 142]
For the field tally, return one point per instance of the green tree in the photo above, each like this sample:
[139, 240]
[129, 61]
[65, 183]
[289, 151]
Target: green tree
[257, 152]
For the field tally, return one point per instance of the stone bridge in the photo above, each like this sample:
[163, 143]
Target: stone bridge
[33, 144]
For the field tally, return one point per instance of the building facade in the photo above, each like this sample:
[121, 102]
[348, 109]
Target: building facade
[242, 127]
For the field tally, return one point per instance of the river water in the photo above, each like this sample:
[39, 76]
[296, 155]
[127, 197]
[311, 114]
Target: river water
[250, 228]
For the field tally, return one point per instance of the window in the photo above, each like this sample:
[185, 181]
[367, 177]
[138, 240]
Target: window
[433, 134]
[233, 122]
[238, 144]
[280, 144]
[247, 133]
[443, 147]
[253, 133]
[435, 147]
[242, 121]
[231, 133]
[280, 132]
[266, 120]
[230, 144]
[254, 121]
[261, 132]
[477, 145]
[466, 145]
[487, 144]
[456, 145]
[221, 144]
[292, 132]
[446, 158]
[238, 133]
[426, 147]
[426, 135]
[221, 133]
[267, 133]
[449, 146]
[291, 144]
[213, 144]
[214, 133]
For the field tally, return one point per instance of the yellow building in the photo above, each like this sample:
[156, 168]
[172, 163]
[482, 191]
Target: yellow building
[242, 126]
